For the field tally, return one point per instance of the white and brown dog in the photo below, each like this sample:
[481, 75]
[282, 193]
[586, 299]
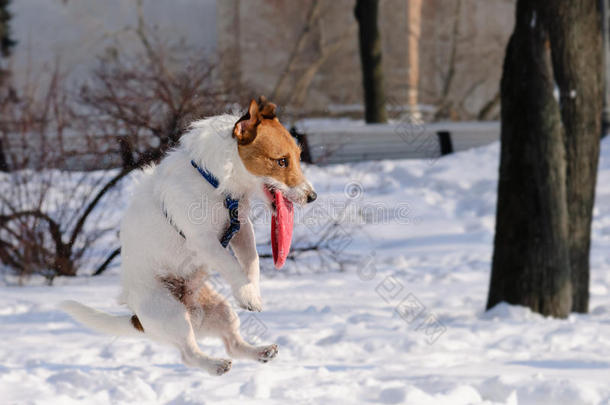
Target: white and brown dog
[177, 226]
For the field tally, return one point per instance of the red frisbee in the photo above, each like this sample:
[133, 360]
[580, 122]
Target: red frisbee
[281, 229]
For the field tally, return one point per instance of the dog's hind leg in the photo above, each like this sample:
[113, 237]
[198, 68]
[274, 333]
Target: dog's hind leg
[166, 319]
[220, 320]
[237, 347]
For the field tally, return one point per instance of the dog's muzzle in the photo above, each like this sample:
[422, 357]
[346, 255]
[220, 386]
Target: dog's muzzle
[311, 196]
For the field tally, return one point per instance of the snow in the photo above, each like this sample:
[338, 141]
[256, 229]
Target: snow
[404, 324]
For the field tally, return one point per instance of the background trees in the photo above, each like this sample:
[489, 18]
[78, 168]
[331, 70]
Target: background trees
[6, 42]
[370, 56]
[550, 150]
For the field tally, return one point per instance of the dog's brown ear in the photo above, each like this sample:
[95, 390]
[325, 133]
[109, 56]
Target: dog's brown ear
[268, 111]
[245, 129]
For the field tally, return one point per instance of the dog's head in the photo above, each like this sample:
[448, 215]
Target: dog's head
[267, 150]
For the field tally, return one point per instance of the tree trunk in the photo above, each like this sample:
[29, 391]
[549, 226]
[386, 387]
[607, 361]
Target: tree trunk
[530, 261]
[577, 51]
[6, 42]
[3, 163]
[370, 57]
[606, 66]
[414, 32]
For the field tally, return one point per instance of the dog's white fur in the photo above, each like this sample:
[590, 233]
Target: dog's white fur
[152, 249]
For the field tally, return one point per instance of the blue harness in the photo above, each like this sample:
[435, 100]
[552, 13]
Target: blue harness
[231, 204]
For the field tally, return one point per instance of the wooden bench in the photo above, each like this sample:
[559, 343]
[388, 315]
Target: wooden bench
[341, 141]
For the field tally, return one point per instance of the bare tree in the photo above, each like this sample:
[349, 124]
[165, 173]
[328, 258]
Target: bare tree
[6, 41]
[444, 103]
[146, 101]
[576, 48]
[414, 21]
[370, 56]
[549, 157]
[290, 89]
[6, 44]
[452, 89]
[43, 212]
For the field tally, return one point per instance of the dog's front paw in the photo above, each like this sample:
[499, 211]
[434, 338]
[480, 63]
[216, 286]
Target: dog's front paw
[267, 353]
[220, 367]
[248, 296]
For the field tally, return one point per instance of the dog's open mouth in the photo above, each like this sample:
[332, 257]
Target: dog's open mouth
[281, 225]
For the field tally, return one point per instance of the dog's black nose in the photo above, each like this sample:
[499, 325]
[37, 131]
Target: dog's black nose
[311, 197]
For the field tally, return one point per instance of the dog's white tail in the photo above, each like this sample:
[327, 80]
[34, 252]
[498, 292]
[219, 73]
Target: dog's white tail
[118, 325]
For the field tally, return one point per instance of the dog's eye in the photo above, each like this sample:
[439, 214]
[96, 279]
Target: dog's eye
[283, 162]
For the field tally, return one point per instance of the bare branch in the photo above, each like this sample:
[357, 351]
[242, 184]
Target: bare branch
[91, 206]
[107, 262]
[312, 14]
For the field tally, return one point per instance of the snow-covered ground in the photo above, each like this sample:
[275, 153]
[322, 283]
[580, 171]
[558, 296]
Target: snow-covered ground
[404, 325]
